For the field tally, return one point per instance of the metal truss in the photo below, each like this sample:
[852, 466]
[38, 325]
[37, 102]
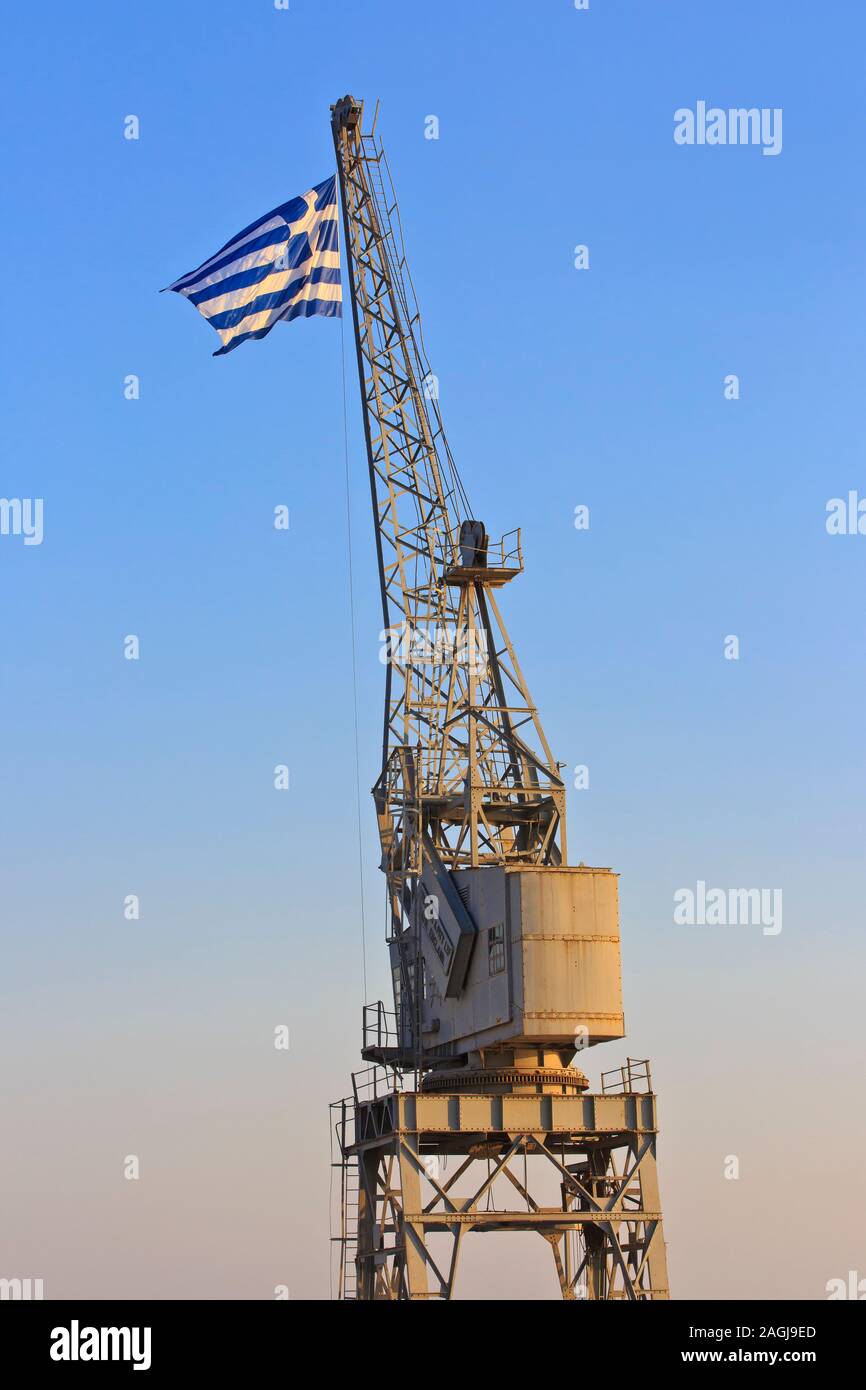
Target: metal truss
[485, 781]
[605, 1234]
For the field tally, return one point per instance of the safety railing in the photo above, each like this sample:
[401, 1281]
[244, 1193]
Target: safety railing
[504, 554]
[632, 1078]
[379, 1026]
[374, 1083]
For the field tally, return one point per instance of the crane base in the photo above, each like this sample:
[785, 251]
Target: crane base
[402, 1222]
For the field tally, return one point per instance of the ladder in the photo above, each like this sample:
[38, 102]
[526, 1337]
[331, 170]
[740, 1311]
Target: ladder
[344, 1221]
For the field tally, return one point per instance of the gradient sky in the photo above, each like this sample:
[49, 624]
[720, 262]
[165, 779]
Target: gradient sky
[558, 387]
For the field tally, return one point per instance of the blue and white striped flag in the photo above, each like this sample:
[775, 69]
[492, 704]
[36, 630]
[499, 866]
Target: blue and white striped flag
[284, 266]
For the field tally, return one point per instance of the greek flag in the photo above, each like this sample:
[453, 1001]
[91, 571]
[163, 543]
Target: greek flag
[284, 266]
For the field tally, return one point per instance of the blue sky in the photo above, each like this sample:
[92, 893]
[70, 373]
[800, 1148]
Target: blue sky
[558, 387]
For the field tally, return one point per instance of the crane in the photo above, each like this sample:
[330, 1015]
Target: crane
[505, 960]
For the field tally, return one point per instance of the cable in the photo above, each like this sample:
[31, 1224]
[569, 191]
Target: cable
[354, 660]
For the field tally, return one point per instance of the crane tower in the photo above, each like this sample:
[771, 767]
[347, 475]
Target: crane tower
[505, 960]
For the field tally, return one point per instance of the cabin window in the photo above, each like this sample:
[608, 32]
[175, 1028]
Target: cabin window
[496, 948]
[398, 994]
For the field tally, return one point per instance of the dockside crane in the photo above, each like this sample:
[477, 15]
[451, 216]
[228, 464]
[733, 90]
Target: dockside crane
[505, 960]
